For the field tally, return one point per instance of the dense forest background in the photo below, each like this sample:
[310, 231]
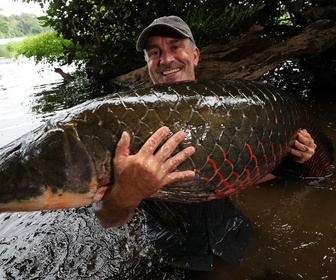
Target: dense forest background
[19, 26]
[101, 36]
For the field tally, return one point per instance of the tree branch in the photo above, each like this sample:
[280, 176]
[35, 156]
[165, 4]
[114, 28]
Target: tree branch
[252, 55]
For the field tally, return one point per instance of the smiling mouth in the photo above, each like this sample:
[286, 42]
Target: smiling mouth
[171, 71]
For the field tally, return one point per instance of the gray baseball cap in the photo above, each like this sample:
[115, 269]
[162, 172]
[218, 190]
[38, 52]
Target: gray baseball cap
[173, 22]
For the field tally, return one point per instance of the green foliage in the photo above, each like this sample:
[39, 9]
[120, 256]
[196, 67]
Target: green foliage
[19, 26]
[215, 21]
[105, 31]
[47, 47]
[10, 49]
[108, 30]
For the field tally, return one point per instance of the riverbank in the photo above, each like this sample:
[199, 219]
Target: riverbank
[5, 41]
[9, 46]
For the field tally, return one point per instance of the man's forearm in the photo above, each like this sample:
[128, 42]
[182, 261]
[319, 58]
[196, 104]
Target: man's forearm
[112, 212]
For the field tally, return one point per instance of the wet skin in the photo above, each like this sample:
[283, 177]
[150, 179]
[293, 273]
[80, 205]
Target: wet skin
[171, 60]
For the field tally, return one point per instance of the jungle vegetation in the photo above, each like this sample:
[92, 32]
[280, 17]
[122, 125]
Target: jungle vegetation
[19, 26]
[14, 26]
[102, 33]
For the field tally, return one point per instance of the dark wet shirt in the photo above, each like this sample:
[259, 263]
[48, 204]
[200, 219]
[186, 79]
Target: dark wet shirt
[189, 235]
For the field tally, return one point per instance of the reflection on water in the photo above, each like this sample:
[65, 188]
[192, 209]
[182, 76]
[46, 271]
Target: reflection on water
[68, 244]
[293, 223]
[20, 81]
[294, 228]
[30, 94]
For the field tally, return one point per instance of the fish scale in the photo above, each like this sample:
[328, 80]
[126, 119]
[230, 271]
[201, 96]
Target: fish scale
[241, 131]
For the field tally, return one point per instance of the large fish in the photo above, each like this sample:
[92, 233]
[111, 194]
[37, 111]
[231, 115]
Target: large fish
[241, 131]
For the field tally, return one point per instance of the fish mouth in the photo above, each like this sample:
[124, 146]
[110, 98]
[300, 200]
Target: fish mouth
[171, 71]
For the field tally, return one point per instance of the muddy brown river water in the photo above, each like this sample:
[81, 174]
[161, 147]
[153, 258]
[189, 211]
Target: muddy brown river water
[293, 224]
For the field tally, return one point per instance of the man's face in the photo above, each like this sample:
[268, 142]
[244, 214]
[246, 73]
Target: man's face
[170, 59]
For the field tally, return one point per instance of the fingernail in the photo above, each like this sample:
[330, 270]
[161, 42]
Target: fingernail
[124, 136]
[181, 135]
[165, 129]
[190, 150]
[190, 173]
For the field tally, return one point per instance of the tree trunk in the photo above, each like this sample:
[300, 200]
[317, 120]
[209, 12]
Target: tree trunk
[251, 55]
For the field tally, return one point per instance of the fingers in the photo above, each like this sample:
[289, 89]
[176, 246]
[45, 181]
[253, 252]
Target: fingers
[300, 147]
[303, 147]
[163, 161]
[154, 141]
[299, 155]
[152, 168]
[305, 138]
[168, 163]
[170, 145]
[305, 142]
[166, 150]
[122, 148]
[172, 163]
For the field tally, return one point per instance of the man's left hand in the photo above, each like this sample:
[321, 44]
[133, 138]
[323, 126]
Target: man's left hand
[303, 147]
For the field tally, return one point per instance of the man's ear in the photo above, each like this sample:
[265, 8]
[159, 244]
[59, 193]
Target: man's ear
[196, 56]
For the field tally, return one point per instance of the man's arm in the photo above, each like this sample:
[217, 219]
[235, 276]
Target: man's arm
[138, 176]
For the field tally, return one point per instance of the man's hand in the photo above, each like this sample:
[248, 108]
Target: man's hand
[302, 150]
[303, 147]
[138, 176]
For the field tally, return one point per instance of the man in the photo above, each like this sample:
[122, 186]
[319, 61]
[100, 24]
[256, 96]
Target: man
[188, 233]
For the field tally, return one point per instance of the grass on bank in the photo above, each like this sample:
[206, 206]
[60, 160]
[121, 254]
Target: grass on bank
[46, 47]
[10, 49]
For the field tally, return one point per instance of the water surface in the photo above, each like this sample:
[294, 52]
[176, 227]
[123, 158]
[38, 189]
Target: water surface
[293, 224]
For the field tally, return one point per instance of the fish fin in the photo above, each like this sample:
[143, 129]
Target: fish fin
[186, 191]
[291, 170]
[321, 163]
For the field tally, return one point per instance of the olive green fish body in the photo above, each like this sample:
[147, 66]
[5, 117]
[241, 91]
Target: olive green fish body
[241, 132]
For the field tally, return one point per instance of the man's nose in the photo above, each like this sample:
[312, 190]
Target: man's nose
[166, 58]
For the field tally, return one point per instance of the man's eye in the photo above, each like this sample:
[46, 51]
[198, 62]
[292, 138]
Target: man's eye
[176, 48]
[153, 54]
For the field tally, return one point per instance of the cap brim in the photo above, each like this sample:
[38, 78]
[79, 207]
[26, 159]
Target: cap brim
[142, 40]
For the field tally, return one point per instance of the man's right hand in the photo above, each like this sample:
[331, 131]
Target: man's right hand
[138, 176]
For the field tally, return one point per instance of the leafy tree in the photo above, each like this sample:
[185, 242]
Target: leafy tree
[19, 26]
[4, 26]
[107, 29]
[48, 47]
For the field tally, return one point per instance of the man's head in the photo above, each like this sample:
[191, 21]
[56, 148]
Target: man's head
[170, 50]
